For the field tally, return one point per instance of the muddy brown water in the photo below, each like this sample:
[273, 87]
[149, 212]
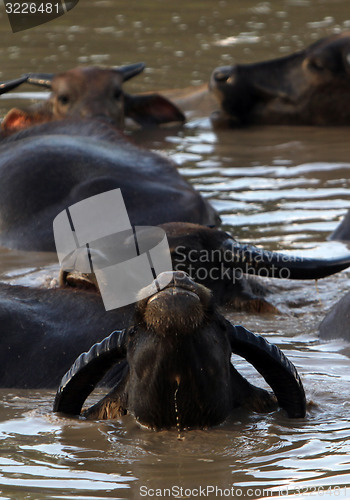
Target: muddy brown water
[280, 187]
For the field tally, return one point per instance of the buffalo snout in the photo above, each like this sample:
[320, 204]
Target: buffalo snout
[310, 87]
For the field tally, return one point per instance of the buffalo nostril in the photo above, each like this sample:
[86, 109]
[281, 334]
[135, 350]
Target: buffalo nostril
[223, 74]
[220, 76]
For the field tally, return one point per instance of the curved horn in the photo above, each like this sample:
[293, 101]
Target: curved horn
[255, 260]
[40, 79]
[87, 371]
[12, 84]
[130, 70]
[272, 364]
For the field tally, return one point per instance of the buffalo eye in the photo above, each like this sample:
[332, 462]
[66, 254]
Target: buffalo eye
[316, 64]
[63, 99]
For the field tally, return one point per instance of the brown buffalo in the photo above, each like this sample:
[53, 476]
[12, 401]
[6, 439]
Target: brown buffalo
[310, 87]
[92, 92]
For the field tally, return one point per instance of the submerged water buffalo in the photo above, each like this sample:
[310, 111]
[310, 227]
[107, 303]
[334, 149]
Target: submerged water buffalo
[49, 167]
[46, 168]
[92, 92]
[216, 260]
[44, 330]
[174, 365]
[310, 87]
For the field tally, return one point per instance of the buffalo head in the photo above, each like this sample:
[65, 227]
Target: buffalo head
[311, 87]
[175, 365]
[93, 92]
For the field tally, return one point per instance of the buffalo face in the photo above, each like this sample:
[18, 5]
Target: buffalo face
[175, 366]
[311, 87]
[91, 92]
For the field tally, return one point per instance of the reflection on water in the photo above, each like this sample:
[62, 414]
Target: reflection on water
[276, 186]
[41, 452]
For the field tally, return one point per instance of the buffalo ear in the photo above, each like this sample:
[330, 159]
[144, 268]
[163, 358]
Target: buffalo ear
[151, 110]
[17, 119]
[272, 364]
[88, 369]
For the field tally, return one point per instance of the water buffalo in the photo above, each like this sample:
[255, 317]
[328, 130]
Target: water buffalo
[43, 331]
[175, 369]
[310, 87]
[49, 328]
[213, 258]
[336, 324]
[48, 167]
[92, 92]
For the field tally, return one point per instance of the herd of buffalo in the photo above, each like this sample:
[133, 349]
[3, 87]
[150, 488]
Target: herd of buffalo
[167, 358]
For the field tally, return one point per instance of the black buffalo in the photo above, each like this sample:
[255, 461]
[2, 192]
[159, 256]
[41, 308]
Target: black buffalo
[46, 168]
[174, 366]
[43, 331]
[310, 87]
